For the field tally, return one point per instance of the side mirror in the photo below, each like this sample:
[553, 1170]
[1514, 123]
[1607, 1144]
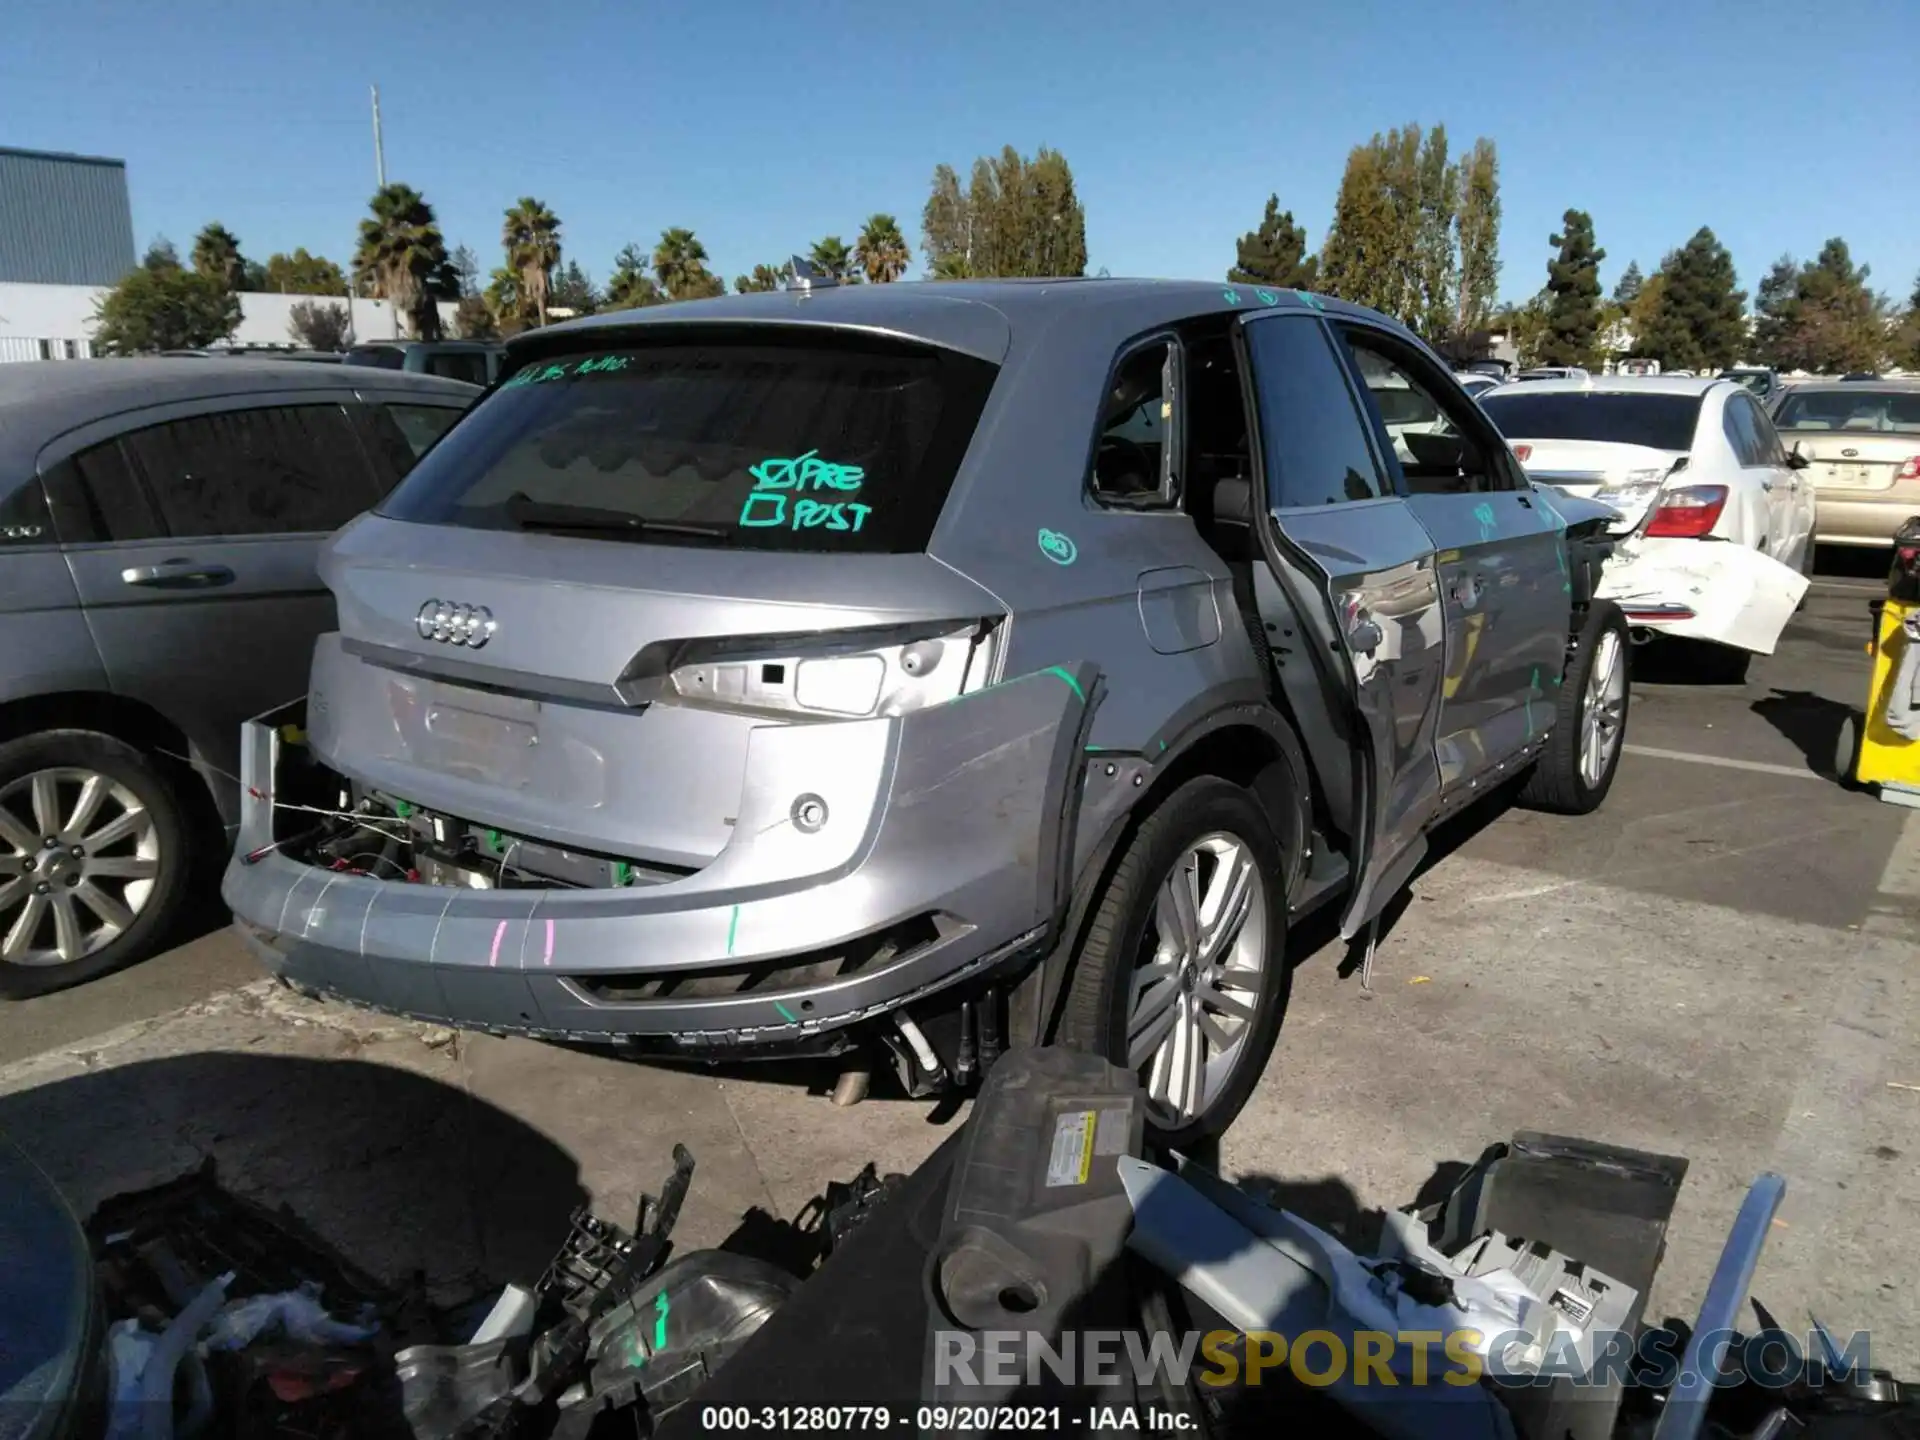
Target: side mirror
[1795, 460]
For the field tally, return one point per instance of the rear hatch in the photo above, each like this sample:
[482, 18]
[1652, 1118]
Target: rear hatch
[1857, 438]
[571, 618]
[1620, 447]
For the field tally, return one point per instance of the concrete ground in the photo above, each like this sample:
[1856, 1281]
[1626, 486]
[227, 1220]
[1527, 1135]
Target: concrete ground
[1720, 964]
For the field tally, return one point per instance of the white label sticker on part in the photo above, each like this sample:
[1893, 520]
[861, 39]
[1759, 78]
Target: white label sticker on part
[1111, 1136]
[1072, 1157]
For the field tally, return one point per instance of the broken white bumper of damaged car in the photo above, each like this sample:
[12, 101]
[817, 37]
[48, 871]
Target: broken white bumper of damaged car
[872, 869]
[1669, 574]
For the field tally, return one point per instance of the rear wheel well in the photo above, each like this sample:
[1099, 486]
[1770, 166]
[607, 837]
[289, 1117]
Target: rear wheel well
[1245, 754]
[138, 725]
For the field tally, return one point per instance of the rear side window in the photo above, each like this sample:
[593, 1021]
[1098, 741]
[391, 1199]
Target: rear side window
[1311, 434]
[467, 365]
[279, 470]
[765, 444]
[381, 357]
[1663, 422]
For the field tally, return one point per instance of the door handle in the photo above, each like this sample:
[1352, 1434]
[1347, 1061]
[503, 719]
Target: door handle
[1524, 500]
[177, 574]
[1766, 484]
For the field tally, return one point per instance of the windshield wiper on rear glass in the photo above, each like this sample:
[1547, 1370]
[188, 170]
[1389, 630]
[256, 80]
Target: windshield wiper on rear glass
[531, 514]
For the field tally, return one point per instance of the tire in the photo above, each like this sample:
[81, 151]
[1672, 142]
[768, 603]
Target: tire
[1197, 825]
[1846, 749]
[1723, 664]
[1560, 781]
[111, 908]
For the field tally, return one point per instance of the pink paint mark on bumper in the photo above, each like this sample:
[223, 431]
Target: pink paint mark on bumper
[499, 934]
[547, 957]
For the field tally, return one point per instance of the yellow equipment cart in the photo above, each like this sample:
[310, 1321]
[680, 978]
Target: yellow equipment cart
[1884, 751]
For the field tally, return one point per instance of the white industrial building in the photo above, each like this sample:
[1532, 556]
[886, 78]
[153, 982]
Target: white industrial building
[66, 238]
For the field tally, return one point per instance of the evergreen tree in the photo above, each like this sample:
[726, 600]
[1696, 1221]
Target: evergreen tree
[1573, 285]
[1840, 325]
[1478, 233]
[1700, 321]
[1630, 286]
[1775, 315]
[1275, 254]
[1016, 217]
[1437, 270]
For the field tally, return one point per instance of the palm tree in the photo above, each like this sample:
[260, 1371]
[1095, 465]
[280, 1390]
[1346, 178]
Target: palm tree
[401, 257]
[831, 257]
[680, 265]
[216, 254]
[881, 251]
[764, 277]
[531, 235]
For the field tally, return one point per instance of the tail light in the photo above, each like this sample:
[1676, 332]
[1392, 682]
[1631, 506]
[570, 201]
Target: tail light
[1910, 470]
[1688, 512]
[1524, 453]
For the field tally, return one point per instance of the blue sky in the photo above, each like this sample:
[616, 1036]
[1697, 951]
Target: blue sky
[765, 124]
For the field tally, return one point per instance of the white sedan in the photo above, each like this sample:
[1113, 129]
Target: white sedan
[1716, 516]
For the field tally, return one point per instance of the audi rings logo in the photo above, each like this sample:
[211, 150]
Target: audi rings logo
[450, 624]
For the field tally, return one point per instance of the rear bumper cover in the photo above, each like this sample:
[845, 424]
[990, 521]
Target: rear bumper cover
[1704, 590]
[973, 824]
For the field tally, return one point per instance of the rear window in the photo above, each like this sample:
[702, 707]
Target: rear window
[1883, 412]
[383, 357]
[1662, 422]
[762, 444]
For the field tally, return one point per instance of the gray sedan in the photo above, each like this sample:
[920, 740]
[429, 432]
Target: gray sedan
[159, 521]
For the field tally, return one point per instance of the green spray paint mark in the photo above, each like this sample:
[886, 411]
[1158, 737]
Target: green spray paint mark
[622, 873]
[1533, 689]
[786, 1014]
[660, 1307]
[1310, 299]
[1163, 747]
[1266, 297]
[402, 809]
[1483, 512]
[1058, 548]
[733, 928]
[1067, 675]
[775, 479]
[493, 839]
[1230, 295]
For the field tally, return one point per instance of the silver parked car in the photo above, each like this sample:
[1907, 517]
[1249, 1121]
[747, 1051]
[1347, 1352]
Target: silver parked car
[915, 663]
[159, 522]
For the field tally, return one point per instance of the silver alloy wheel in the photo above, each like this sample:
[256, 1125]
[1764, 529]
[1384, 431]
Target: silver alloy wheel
[79, 858]
[1196, 990]
[1602, 708]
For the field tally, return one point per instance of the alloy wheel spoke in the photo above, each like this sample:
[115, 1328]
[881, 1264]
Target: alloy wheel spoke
[122, 867]
[46, 803]
[13, 892]
[1211, 998]
[16, 834]
[1213, 1029]
[117, 916]
[1230, 917]
[1177, 910]
[70, 937]
[93, 794]
[1195, 1088]
[121, 827]
[1150, 1042]
[25, 927]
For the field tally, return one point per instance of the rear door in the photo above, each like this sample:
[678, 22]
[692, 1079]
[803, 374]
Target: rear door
[1352, 561]
[1741, 423]
[1797, 488]
[197, 564]
[1499, 558]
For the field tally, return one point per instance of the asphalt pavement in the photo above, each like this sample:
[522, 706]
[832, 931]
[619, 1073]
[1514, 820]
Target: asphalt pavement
[1720, 965]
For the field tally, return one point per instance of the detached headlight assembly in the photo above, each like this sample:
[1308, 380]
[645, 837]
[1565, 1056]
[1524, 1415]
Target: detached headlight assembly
[839, 676]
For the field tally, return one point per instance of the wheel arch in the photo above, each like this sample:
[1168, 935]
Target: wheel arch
[1254, 746]
[135, 723]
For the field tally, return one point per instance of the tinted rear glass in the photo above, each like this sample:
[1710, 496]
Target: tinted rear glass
[384, 357]
[766, 444]
[1856, 410]
[1664, 422]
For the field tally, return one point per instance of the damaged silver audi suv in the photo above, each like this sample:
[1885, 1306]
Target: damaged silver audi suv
[923, 669]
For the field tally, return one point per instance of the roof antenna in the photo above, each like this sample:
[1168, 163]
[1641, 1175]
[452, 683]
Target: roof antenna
[808, 277]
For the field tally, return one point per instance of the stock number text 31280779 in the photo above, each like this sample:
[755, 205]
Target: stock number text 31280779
[925, 1419]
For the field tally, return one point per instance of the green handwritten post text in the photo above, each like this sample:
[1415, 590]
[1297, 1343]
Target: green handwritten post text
[592, 365]
[780, 497]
